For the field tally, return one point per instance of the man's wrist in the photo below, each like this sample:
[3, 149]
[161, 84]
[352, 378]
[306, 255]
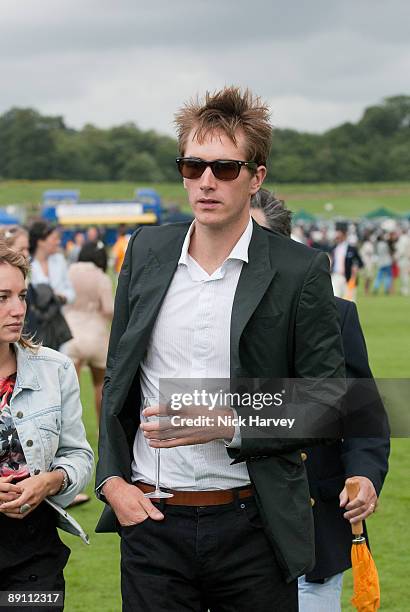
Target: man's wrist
[111, 485]
[228, 431]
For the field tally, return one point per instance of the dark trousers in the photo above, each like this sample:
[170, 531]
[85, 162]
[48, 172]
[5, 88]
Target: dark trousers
[200, 558]
[32, 556]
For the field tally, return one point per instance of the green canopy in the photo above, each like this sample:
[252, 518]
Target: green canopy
[378, 213]
[303, 215]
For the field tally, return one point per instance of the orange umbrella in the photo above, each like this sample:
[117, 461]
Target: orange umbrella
[366, 589]
[350, 289]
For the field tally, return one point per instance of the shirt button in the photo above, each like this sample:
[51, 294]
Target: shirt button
[37, 471]
[19, 415]
[29, 443]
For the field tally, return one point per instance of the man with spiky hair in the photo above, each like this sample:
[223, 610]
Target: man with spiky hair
[216, 299]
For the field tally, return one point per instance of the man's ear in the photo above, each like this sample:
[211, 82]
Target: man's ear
[257, 179]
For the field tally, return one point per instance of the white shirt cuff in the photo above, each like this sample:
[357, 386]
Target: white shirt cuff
[237, 438]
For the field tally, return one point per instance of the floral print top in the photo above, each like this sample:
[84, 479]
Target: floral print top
[12, 460]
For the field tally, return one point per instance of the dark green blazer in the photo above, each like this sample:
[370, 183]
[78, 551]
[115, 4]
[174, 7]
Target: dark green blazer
[284, 324]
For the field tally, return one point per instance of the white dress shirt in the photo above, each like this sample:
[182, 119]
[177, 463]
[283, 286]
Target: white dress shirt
[57, 276]
[339, 257]
[191, 339]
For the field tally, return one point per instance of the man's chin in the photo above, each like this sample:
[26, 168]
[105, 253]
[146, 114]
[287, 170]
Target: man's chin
[211, 218]
[211, 221]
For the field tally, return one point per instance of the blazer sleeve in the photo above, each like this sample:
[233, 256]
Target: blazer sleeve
[317, 357]
[318, 343]
[107, 457]
[363, 456]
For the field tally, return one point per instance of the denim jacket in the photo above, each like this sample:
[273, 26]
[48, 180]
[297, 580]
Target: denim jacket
[46, 410]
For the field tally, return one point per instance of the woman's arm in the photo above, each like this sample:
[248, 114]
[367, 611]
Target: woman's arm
[74, 454]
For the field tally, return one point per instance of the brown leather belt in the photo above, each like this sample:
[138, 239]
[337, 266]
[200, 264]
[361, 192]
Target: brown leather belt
[200, 498]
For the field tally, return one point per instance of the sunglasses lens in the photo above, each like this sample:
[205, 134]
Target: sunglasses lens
[191, 169]
[226, 170]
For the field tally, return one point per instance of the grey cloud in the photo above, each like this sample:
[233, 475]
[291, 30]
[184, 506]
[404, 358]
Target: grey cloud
[111, 26]
[108, 61]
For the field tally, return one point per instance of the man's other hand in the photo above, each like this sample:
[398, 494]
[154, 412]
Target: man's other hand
[128, 502]
[364, 503]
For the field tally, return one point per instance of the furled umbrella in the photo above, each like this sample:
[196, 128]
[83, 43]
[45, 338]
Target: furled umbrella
[366, 589]
[350, 289]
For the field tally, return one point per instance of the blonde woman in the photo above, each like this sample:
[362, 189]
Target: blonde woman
[45, 459]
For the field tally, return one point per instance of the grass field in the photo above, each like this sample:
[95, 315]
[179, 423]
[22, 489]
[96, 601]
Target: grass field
[93, 572]
[349, 200]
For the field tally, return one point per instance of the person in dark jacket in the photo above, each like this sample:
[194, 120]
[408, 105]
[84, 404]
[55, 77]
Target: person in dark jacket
[221, 298]
[329, 466]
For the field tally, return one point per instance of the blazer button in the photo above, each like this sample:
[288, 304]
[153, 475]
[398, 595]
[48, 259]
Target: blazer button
[303, 456]
[29, 442]
[19, 415]
[312, 502]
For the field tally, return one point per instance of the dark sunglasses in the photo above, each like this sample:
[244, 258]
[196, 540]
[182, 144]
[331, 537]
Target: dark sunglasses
[222, 169]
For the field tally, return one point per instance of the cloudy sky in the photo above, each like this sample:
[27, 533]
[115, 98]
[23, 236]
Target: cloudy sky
[106, 62]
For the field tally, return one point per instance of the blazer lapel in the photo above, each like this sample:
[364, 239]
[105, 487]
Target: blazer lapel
[255, 278]
[157, 275]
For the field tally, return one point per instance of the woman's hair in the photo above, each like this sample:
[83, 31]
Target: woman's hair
[17, 260]
[227, 111]
[39, 230]
[10, 233]
[278, 217]
[96, 253]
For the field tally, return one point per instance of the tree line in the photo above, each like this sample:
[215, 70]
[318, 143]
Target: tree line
[35, 146]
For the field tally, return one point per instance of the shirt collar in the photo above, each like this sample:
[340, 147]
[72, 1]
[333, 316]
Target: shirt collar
[239, 251]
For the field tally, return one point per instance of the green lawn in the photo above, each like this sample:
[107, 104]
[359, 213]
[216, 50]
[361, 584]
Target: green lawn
[93, 572]
[348, 199]
[385, 322]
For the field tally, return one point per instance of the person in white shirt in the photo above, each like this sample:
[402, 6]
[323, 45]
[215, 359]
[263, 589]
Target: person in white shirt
[48, 264]
[215, 299]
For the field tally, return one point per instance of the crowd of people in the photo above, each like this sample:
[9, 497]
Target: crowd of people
[245, 521]
[379, 255]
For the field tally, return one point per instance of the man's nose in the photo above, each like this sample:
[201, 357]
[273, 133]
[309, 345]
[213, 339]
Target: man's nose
[207, 180]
